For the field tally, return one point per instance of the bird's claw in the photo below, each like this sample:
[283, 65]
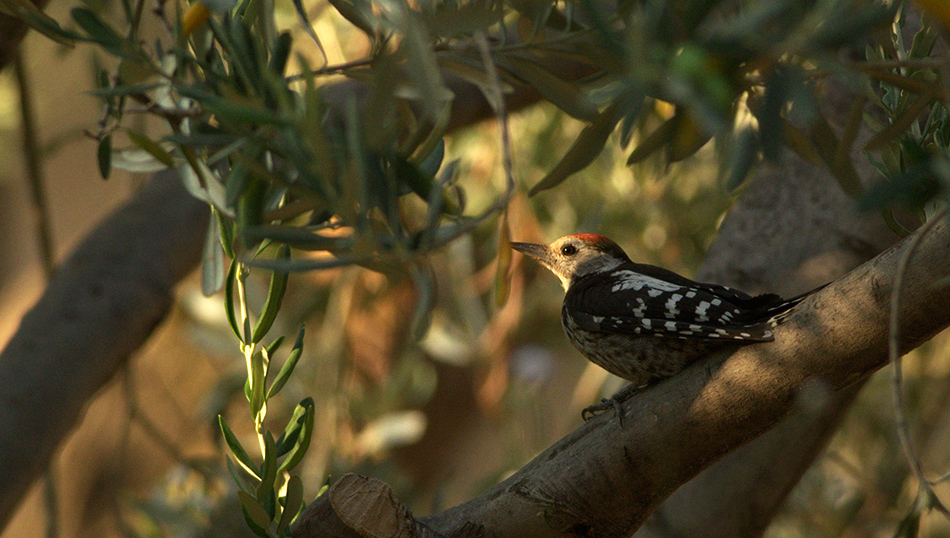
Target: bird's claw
[613, 402]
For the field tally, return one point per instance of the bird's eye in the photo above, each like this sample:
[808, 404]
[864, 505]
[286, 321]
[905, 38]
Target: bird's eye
[568, 250]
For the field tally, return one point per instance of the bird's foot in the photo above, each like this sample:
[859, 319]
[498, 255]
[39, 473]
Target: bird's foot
[614, 402]
[591, 411]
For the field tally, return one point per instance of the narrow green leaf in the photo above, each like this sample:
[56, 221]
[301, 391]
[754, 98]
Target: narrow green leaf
[235, 182]
[633, 105]
[360, 15]
[212, 260]
[246, 52]
[268, 468]
[798, 142]
[425, 291]
[582, 152]
[308, 28]
[39, 21]
[274, 346]
[288, 367]
[229, 282]
[298, 238]
[95, 27]
[255, 515]
[238, 478]
[235, 447]
[235, 111]
[315, 264]
[250, 208]
[275, 294]
[281, 52]
[770, 113]
[923, 42]
[744, 155]
[662, 136]
[305, 431]
[152, 147]
[901, 123]
[687, 140]
[227, 233]
[256, 379]
[421, 184]
[565, 95]
[104, 155]
[416, 44]
[474, 73]
[430, 164]
[220, 6]
[295, 426]
[293, 500]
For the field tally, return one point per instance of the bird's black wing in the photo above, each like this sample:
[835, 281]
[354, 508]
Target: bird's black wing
[646, 300]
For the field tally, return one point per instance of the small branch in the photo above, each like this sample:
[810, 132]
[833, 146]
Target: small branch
[34, 167]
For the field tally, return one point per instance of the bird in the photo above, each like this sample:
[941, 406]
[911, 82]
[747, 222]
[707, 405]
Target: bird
[644, 323]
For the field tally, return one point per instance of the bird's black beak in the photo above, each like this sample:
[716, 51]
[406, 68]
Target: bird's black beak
[538, 252]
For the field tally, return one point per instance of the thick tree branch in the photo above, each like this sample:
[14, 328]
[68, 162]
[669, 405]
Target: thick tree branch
[103, 304]
[603, 480]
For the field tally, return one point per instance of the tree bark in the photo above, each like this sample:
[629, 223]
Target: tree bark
[792, 230]
[102, 304]
[604, 479]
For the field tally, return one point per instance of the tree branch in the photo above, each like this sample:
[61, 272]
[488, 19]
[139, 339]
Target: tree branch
[103, 304]
[603, 480]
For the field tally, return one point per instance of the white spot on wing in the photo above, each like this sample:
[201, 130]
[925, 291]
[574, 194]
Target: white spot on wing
[671, 310]
[640, 311]
[701, 311]
[632, 280]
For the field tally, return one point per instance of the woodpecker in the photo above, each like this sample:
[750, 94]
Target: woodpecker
[644, 323]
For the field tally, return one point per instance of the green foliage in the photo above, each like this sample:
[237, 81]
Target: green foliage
[268, 490]
[289, 157]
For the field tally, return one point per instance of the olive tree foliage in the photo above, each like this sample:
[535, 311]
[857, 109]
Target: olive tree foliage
[356, 169]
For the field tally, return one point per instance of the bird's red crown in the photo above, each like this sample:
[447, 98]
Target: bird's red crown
[601, 243]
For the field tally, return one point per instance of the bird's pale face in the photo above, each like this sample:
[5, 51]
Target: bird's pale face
[575, 256]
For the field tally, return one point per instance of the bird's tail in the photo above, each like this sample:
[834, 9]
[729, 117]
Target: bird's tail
[779, 313]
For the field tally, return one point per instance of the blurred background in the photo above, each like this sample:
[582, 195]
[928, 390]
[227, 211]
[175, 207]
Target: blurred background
[440, 419]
